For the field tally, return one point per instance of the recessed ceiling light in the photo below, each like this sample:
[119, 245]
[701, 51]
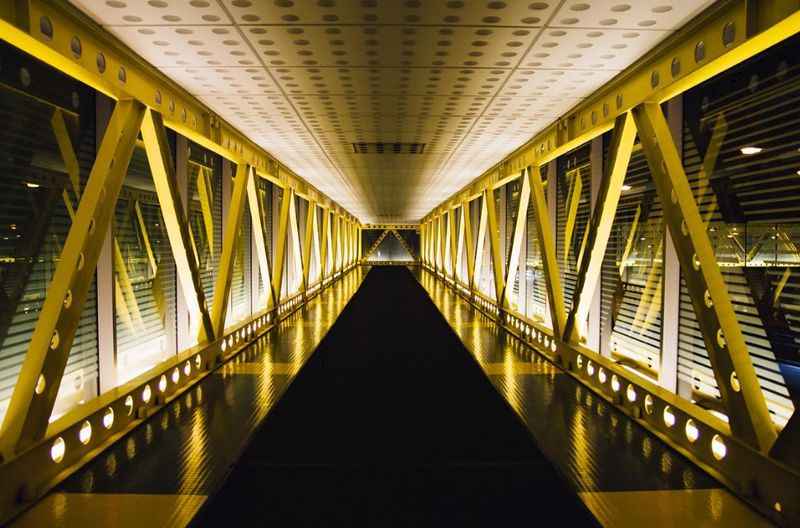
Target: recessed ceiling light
[749, 151]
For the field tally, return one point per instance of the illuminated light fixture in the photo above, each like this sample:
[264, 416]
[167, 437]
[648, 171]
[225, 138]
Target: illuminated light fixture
[57, 450]
[601, 375]
[749, 151]
[718, 447]
[31, 185]
[85, 432]
[108, 418]
[631, 393]
[691, 430]
[626, 187]
[669, 416]
[129, 404]
[615, 383]
[176, 375]
[162, 383]
[649, 405]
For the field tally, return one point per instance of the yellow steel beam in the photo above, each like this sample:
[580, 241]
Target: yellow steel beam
[544, 231]
[722, 335]
[517, 240]
[40, 376]
[294, 246]
[377, 243]
[494, 241]
[256, 214]
[186, 262]
[335, 243]
[403, 243]
[460, 247]
[599, 229]
[481, 242]
[280, 246]
[452, 241]
[308, 239]
[695, 53]
[325, 243]
[467, 220]
[316, 257]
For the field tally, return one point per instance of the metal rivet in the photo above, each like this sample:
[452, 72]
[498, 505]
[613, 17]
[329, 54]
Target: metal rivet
[158, 97]
[54, 340]
[76, 47]
[68, 299]
[605, 109]
[46, 27]
[699, 51]
[654, 79]
[728, 34]
[675, 67]
[122, 75]
[619, 101]
[101, 62]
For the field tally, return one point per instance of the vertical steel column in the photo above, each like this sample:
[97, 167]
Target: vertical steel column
[494, 241]
[280, 246]
[256, 214]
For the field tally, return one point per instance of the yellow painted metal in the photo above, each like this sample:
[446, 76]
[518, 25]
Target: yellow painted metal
[256, 215]
[599, 229]
[494, 244]
[295, 247]
[517, 239]
[596, 114]
[324, 252]
[29, 410]
[183, 251]
[182, 112]
[151, 258]
[308, 240]
[544, 232]
[335, 243]
[125, 287]
[403, 243]
[467, 220]
[460, 248]
[452, 241]
[747, 410]
[280, 246]
[482, 223]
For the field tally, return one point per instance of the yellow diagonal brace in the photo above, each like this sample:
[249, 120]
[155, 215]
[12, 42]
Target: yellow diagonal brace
[481, 242]
[294, 246]
[460, 246]
[175, 222]
[325, 243]
[466, 217]
[599, 229]
[126, 287]
[280, 245]
[40, 377]
[256, 214]
[377, 243]
[722, 335]
[308, 239]
[494, 240]
[67, 154]
[516, 241]
[233, 224]
[403, 243]
[452, 241]
[316, 257]
[544, 231]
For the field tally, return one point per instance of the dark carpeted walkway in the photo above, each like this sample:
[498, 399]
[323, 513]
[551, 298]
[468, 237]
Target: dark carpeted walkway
[391, 422]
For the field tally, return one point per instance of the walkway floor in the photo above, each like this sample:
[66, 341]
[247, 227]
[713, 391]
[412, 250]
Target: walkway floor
[392, 422]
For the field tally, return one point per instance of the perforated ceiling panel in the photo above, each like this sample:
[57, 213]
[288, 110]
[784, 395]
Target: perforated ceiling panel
[472, 80]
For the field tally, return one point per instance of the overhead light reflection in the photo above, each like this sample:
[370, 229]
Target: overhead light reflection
[749, 151]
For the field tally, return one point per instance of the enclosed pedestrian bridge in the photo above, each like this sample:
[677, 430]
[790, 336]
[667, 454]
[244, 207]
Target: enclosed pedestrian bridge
[407, 262]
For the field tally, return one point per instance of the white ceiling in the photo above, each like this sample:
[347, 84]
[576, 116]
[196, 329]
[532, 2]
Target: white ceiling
[472, 80]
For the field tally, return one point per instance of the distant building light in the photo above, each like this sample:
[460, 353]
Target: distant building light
[749, 151]
[31, 185]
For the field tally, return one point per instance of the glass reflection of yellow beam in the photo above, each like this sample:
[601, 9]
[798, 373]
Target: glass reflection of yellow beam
[206, 192]
[654, 305]
[123, 284]
[156, 286]
[707, 168]
[573, 200]
[781, 284]
[623, 263]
